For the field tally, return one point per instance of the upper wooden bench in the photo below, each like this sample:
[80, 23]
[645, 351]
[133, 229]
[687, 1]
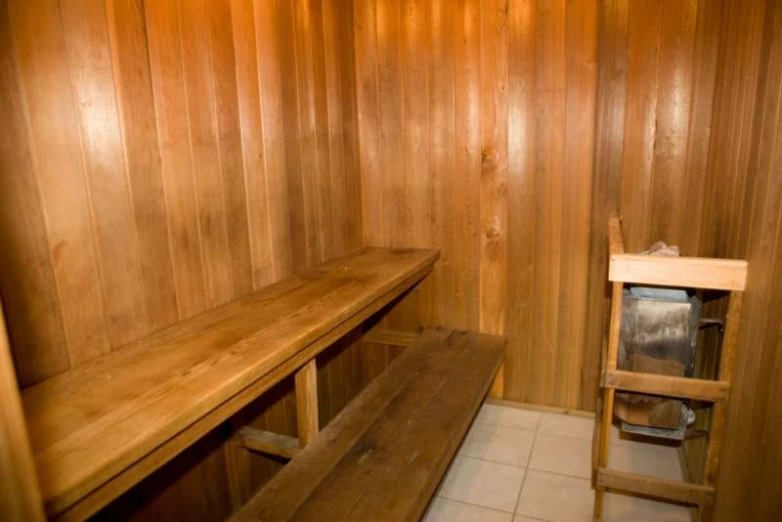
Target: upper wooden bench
[383, 456]
[100, 428]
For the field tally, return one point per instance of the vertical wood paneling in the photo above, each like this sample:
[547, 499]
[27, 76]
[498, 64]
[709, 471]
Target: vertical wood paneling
[204, 150]
[153, 144]
[229, 142]
[89, 63]
[657, 82]
[20, 498]
[743, 218]
[32, 302]
[521, 230]
[494, 165]
[269, 58]
[509, 94]
[521, 209]
[365, 34]
[308, 132]
[643, 58]
[466, 199]
[166, 64]
[547, 194]
[135, 102]
[675, 82]
[59, 169]
[441, 155]
[252, 139]
[581, 53]
[160, 158]
[390, 78]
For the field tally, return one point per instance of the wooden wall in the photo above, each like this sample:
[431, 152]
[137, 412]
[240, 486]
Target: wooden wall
[657, 77]
[158, 158]
[503, 132]
[742, 218]
[476, 122]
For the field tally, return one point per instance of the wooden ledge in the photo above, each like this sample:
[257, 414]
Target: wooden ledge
[99, 429]
[622, 481]
[682, 272]
[666, 385]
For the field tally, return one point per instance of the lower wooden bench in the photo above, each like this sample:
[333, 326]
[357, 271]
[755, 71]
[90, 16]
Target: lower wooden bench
[384, 455]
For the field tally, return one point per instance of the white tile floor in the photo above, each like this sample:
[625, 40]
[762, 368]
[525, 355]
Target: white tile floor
[519, 465]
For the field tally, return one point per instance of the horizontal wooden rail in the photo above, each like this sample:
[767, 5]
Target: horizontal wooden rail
[390, 337]
[685, 272]
[269, 443]
[686, 493]
[682, 387]
[682, 272]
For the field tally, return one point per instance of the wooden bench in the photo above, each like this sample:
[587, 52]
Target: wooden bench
[383, 456]
[100, 428]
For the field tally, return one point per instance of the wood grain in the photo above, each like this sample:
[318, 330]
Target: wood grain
[388, 450]
[179, 376]
[163, 188]
[145, 179]
[657, 70]
[742, 219]
[267, 442]
[480, 117]
[20, 497]
[656, 488]
[306, 380]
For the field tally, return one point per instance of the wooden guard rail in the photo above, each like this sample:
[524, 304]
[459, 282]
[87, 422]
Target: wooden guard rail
[685, 272]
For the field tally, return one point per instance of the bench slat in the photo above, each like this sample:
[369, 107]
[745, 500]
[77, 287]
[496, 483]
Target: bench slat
[384, 455]
[95, 422]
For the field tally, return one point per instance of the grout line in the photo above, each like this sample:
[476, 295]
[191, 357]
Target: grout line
[477, 505]
[481, 423]
[526, 468]
[464, 455]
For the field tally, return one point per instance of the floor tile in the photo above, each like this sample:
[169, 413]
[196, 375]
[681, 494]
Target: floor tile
[661, 464]
[508, 416]
[558, 498]
[483, 483]
[563, 455]
[446, 510]
[567, 425]
[499, 443]
[522, 518]
[619, 508]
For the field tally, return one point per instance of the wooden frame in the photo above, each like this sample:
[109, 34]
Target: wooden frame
[689, 272]
[79, 492]
[307, 402]
[672, 490]
[667, 386]
[268, 442]
[20, 497]
[306, 389]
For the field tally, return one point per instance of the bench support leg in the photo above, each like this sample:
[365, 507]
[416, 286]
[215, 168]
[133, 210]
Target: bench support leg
[307, 402]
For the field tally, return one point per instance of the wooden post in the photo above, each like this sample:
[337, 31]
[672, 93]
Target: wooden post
[718, 412]
[497, 390]
[608, 393]
[20, 498]
[307, 402]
